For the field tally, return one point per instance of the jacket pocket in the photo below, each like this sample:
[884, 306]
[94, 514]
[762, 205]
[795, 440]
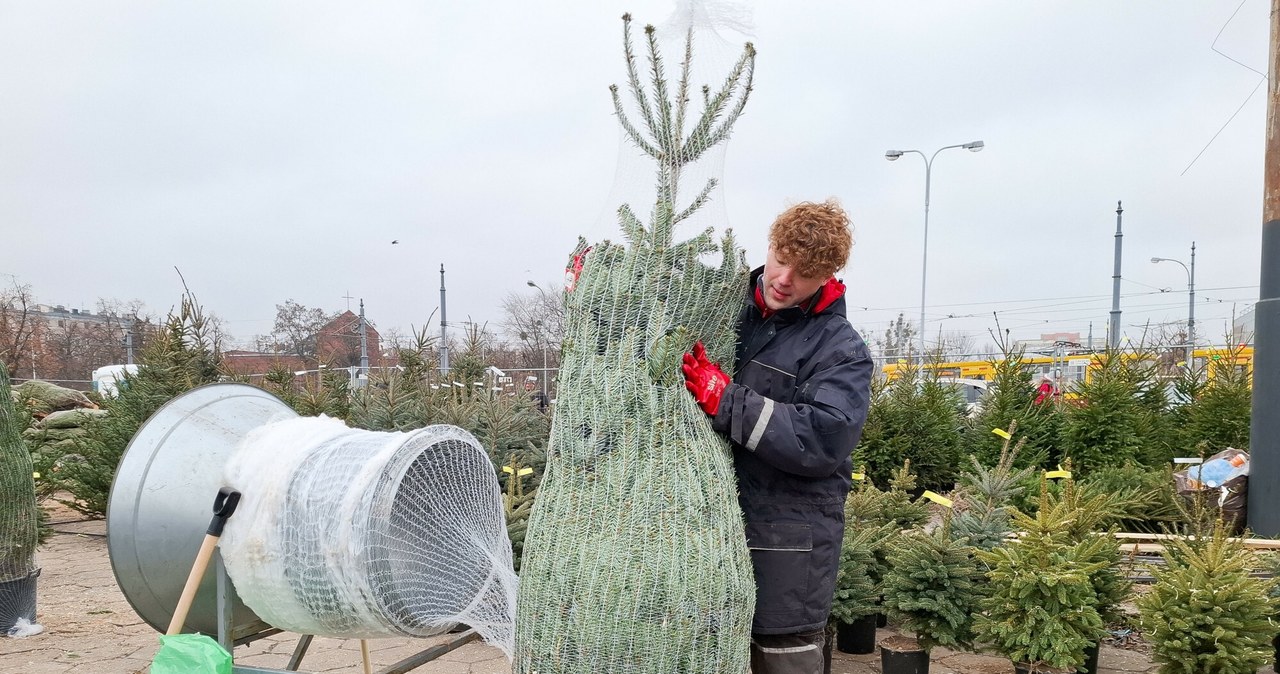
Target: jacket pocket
[781, 559]
[781, 537]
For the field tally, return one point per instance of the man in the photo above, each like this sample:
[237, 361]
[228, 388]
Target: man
[793, 413]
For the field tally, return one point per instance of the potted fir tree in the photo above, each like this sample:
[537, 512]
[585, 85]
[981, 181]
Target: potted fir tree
[868, 506]
[18, 518]
[1095, 511]
[1205, 612]
[856, 606]
[931, 591]
[1041, 607]
[986, 494]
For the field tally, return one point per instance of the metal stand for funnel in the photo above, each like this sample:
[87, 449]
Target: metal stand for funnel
[225, 622]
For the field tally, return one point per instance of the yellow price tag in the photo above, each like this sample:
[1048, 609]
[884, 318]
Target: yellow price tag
[1056, 474]
[523, 471]
[938, 498]
[1002, 433]
[859, 476]
[35, 476]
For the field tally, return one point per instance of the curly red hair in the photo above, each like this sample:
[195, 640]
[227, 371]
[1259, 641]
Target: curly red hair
[813, 238]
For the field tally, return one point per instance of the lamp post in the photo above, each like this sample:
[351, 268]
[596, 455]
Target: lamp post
[1191, 303]
[546, 374]
[893, 155]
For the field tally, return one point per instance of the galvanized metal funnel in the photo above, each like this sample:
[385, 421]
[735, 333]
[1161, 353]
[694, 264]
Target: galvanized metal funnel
[161, 498]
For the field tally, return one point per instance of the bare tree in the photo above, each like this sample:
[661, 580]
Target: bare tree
[535, 322]
[955, 344]
[898, 339]
[21, 330]
[297, 328]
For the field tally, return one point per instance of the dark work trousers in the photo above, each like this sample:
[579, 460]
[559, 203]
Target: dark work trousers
[788, 653]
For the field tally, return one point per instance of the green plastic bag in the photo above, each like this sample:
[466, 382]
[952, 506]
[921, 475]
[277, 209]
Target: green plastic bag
[190, 654]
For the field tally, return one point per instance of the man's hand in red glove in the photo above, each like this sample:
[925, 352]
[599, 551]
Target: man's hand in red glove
[704, 379]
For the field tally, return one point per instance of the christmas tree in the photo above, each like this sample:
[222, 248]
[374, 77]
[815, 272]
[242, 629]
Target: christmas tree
[1205, 613]
[18, 512]
[1041, 606]
[635, 558]
[986, 494]
[932, 587]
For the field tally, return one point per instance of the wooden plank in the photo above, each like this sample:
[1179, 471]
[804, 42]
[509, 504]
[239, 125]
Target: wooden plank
[1253, 543]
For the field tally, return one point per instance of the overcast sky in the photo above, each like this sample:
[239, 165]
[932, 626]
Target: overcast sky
[274, 150]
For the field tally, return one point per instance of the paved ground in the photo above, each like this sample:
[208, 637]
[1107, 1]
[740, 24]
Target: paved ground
[90, 629]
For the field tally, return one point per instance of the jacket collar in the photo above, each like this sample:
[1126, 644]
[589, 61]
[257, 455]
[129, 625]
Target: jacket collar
[824, 300]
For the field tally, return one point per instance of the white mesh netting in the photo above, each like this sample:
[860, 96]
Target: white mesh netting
[358, 534]
[635, 558]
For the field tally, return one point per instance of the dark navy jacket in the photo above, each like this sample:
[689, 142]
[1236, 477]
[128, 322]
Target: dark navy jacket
[794, 412]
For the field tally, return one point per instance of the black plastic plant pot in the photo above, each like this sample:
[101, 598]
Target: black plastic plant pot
[17, 600]
[903, 662]
[882, 620]
[1275, 643]
[1090, 665]
[858, 637]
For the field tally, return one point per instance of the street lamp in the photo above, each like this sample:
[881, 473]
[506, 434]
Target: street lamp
[893, 155]
[546, 374]
[1191, 304]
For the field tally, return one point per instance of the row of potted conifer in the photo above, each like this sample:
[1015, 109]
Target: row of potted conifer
[1043, 596]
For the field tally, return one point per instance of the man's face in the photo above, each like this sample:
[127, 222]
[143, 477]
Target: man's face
[783, 286]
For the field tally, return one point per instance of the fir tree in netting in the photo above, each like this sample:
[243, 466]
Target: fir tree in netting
[1205, 612]
[635, 558]
[18, 510]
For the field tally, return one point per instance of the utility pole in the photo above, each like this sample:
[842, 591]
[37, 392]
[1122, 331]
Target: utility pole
[1191, 311]
[364, 349]
[1113, 333]
[444, 332]
[1264, 433]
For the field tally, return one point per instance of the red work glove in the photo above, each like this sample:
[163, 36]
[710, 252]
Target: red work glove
[704, 379]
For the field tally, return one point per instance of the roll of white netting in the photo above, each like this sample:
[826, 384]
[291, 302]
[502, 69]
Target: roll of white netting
[358, 534]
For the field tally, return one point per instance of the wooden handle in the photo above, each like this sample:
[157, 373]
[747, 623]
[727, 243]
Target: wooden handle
[193, 584]
[364, 655]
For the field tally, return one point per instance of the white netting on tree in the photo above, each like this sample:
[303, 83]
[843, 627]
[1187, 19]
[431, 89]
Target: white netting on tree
[358, 534]
[635, 558]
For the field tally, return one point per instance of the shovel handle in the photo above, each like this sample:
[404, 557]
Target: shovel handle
[223, 506]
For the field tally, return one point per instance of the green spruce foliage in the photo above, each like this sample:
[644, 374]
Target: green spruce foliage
[1041, 605]
[932, 587]
[1121, 415]
[19, 517]
[1096, 511]
[180, 357]
[862, 570]
[914, 417]
[1011, 397]
[1206, 613]
[986, 494]
[1220, 409]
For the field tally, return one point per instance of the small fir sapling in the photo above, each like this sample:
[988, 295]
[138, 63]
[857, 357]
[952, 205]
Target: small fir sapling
[985, 495]
[1206, 612]
[1040, 607]
[932, 587]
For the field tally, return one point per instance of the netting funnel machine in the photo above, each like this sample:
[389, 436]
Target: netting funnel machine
[340, 532]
